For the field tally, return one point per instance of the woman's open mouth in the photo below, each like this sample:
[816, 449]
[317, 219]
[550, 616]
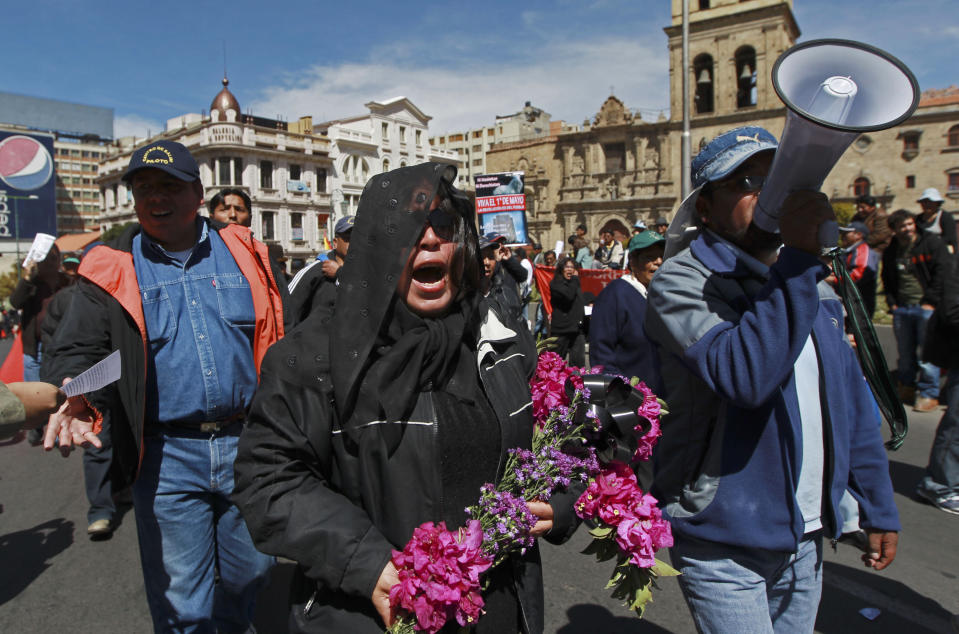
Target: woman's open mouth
[430, 276]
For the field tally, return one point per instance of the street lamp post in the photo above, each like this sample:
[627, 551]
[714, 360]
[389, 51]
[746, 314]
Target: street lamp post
[16, 226]
[338, 199]
[686, 148]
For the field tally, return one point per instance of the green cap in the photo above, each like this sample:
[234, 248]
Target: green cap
[644, 239]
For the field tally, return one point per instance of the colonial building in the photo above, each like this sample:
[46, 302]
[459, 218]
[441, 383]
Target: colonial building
[620, 167]
[284, 167]
[473, 144]
[391, 134]
[895, 165]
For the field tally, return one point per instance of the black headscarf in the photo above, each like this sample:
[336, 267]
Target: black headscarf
[382, 354]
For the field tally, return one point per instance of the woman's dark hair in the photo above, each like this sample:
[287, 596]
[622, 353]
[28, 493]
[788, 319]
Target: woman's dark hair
[217, 200]
[467, 252]
[561, 264]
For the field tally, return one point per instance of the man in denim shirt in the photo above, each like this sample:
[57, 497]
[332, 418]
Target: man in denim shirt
[192, 305]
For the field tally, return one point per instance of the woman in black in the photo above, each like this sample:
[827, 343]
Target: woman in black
[568, 312]
[389, 410]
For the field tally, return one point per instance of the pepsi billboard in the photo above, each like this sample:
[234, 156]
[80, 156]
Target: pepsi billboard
[26, 169]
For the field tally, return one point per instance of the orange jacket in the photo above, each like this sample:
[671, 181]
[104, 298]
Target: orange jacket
[106, 314]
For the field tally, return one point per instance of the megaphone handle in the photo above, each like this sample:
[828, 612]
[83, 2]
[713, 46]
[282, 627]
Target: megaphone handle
[829, 234]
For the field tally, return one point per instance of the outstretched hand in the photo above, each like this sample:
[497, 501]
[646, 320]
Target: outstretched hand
[70, 426]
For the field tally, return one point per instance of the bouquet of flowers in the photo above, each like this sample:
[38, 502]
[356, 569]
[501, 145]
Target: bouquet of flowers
[440, 571]
[626, 523]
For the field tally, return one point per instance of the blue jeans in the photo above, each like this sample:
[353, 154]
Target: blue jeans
[942, 475]
[31, 365]
[96, 477]
[909, 324]
[186, 524]
[750, 590]
[541, 326]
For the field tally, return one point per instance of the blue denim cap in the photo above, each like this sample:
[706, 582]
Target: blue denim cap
[344, 225]
[168, 156]
[725, 153]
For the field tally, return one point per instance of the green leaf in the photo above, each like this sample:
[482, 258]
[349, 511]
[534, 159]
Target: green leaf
[601, 532]
[662, 569]
[641, 597]
[615, 580]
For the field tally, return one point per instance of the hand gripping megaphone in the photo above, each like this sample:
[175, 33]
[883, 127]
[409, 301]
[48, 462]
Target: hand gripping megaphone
[835, 90]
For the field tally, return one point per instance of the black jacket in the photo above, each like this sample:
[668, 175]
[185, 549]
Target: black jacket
[932, 263]
[941, 345]
[504, 292]
[947, 224]
[32, 297]
[568, 306]
[307, 494]
[309, 288]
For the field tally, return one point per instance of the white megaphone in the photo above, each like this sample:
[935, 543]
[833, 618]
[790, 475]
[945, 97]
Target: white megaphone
[835, 90]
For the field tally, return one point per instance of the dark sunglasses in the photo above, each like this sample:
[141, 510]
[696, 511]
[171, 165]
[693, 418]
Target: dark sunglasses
[746, 184]
[444, 223]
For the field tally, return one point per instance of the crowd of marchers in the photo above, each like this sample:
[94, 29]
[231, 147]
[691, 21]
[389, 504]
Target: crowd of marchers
[322, 418]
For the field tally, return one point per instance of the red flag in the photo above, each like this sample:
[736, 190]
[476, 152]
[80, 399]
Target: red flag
[12, 369]
[590, 280]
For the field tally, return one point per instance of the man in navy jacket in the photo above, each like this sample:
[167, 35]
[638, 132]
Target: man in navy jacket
[770, 417]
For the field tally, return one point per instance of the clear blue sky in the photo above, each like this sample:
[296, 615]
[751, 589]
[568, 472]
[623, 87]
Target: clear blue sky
[461, 62]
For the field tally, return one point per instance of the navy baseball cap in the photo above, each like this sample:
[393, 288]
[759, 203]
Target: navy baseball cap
[857, 225]
[725, 153]
[168, 156]
[344, 225]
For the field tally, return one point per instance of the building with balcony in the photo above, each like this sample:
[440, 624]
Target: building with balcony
[620, 167]
[392, 134]
[473, 144]
[284, 167]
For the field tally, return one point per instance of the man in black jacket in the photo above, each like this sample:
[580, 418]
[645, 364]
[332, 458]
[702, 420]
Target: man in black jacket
[38, 284]
[940, 484]
[936, 221]
[913, 271]
[503, 275]
[315, 284]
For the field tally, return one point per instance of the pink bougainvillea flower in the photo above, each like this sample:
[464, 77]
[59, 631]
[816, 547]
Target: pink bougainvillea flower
[439, 575]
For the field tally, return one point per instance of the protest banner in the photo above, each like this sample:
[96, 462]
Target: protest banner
[501, 205]
[592, 281]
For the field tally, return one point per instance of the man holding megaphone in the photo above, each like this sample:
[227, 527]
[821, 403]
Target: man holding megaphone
[770, 418]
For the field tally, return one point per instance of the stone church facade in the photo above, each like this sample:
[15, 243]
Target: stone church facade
[620, 167]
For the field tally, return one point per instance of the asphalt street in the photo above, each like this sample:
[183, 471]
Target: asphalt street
[53, 578]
